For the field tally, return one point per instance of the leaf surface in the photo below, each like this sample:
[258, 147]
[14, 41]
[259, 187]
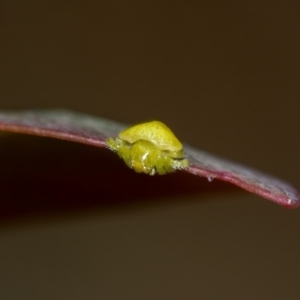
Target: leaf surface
[94, 131]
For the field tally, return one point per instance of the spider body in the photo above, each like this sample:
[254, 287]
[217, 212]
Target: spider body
[149, 148]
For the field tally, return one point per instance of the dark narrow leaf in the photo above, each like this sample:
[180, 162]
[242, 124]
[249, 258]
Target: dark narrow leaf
[94, 131]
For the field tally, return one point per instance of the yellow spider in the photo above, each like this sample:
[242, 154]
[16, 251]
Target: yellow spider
[150, 148]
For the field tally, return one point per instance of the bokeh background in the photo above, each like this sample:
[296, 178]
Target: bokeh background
[224, 75]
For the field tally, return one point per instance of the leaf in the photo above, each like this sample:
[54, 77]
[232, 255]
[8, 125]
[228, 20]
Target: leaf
[94, 131]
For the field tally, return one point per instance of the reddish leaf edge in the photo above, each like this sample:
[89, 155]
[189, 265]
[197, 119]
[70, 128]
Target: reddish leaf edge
[86, 129]
[254, 181]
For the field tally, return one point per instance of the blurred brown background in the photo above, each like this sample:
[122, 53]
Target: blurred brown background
[225, 76]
